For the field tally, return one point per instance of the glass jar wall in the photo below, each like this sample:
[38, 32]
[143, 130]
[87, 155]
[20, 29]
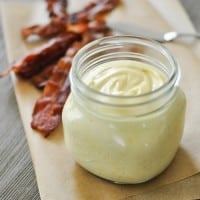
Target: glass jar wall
[124, 118]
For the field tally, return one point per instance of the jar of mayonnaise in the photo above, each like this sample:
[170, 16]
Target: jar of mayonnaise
[124, 118]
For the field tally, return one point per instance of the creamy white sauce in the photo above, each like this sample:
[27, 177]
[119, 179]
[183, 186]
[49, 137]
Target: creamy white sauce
[125, 78]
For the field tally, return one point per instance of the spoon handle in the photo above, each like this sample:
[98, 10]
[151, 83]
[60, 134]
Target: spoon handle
[133, 29]
[170, 36]
[195, 35]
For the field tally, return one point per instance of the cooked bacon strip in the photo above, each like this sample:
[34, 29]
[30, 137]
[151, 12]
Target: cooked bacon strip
[93, 11]
[48, 108]
[57, 8]
[95, 29]
[98, 26]
[88, 23]
[49, 30]
[41, 57]
[40, 80]
[58, 14]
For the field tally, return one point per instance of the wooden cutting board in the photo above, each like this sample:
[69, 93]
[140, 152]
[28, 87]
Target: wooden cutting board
[58, 176]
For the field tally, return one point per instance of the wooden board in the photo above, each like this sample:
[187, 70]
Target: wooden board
[58, 176]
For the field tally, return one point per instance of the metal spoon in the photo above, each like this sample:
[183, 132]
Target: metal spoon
[132, 29]
[170, 36]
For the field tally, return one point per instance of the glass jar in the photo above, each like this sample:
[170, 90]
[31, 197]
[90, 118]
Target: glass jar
[125, 139]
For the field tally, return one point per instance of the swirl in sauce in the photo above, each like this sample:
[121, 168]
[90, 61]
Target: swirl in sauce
[125, 78]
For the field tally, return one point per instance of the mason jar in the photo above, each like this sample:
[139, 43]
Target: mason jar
[124, 118]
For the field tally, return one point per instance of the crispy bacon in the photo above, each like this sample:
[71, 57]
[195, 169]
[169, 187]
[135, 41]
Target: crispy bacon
[49, 30]
[93, 10]
[48, 108]
[58, 21]
[98, 26]
[95, 29]
[40, 80]
[47, 68]
[41, 57]
[57, 8]
[77, 22]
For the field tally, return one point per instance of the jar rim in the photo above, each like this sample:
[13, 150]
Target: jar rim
[172, 79]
